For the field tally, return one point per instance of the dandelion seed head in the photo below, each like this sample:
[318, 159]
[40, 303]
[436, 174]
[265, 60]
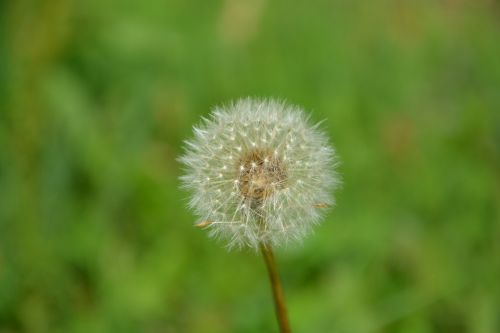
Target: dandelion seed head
[259, 172]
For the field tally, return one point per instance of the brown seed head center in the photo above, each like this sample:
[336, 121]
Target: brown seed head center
[260, 174]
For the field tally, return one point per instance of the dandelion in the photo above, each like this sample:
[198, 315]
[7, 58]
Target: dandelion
[259, 175]
[258, 172]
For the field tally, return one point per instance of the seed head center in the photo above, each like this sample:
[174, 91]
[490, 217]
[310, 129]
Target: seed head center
[261, 173]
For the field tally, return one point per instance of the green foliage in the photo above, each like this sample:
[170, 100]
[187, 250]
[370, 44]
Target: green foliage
[97, 96]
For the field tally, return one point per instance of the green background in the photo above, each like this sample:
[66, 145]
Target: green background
[97, 96]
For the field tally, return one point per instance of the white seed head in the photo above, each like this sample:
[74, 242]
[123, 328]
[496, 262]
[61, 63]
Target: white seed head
[258, 172]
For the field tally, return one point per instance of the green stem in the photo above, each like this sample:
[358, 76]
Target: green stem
[278, 296]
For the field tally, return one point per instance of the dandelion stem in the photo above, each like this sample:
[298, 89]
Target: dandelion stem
[279, 298]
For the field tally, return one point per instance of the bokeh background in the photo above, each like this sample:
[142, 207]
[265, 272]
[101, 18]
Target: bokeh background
[96, 97]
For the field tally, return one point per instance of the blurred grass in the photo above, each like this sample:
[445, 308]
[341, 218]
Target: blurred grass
[97, 96]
